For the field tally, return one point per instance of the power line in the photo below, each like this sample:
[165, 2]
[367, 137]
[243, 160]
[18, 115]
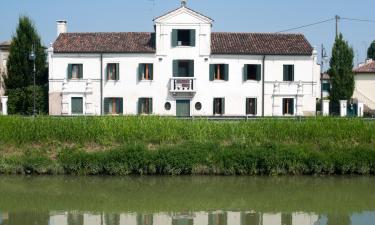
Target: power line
[358, 20]
[307, 25]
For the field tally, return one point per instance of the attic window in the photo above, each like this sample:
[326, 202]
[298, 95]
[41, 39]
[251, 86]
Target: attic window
[183, 37]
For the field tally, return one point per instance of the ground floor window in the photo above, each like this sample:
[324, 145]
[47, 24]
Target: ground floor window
[77, 105]
[219, 106]
[251, 106]
[288, 106]
[145, 106]
[113, 106]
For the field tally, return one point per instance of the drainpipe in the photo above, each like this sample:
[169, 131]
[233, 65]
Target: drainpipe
[101, 84]
[263, 78]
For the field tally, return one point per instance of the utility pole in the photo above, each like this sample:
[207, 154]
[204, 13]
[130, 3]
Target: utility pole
[337, 18]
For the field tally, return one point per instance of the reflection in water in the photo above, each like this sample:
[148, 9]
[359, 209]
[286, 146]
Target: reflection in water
[187, 200]
[195, 218]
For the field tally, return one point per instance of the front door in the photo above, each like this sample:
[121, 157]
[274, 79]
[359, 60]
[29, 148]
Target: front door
[182, 108]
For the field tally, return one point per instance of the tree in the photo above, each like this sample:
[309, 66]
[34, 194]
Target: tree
[371, 51]
[20, 68]
[341, 70]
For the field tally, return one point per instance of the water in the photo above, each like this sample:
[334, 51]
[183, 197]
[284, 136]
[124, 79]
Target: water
[187, 201]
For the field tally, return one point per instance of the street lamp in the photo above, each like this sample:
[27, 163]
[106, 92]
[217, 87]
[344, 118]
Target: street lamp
[32, 57]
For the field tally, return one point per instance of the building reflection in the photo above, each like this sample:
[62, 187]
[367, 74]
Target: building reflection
[190, 218]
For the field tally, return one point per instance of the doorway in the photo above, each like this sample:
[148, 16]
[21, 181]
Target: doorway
[183, 108]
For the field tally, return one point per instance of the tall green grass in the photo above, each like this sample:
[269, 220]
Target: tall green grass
[158, 145]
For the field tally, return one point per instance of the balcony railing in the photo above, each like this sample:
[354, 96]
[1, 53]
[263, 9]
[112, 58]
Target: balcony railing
[182, 84]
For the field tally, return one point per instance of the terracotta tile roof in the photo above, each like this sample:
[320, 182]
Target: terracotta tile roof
[129, 42]
[326, 76]
[222, 43]
[260, 44]
[369, 67]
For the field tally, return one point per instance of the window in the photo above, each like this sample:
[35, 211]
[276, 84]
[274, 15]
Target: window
[167, 106]
[113, 106]
[288, 106]
[288, 72]
[252, 72]
[183, 68]
[146, 71]
[183, 37]
[198, 106]
[219, 72]
[251, 106]
[219, 105]
[75, 71]
[145, 106]
[77, 105]
[326, 87]
[113, 71]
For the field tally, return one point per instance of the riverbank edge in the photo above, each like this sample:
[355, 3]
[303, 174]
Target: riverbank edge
[195, 159]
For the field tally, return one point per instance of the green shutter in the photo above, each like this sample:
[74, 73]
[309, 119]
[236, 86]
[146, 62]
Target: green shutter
[106, 105]
[192, 38]
[256, 106]
[259, 72]
[245, 72]
[212, 72]
[117, 71]
[119, 106]
[191, 68]
[292, 106]
[247, 106]
[69, 71]
[140, 106]
[174, 38]
[285, 73]
[150, 105]
[175, 68]
[223, 106]
[151, 71]
[140, 71]
[226, 72]
[80, 71]
[213, 108]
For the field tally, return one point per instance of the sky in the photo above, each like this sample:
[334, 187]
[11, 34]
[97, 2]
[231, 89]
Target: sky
[228, 15]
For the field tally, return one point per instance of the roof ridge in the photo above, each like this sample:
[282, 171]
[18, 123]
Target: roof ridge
[265, 33]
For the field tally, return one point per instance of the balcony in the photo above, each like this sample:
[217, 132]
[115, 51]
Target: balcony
[183, 86]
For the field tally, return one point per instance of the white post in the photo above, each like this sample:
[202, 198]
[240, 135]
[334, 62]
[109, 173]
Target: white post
[4, 105]
[325, 107]
[343, 108]
[360, 107]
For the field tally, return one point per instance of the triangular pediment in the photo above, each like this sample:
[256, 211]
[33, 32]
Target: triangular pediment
[183, 15]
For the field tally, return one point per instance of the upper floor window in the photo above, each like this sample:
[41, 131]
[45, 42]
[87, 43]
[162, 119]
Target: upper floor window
[326, 87]
[183, 68]
[219, 72]
[183, 37]
[146, 71]
[252, 72]
[113, 106]
[288, 74]
[75, 71]
[113, 71]
[145, 106]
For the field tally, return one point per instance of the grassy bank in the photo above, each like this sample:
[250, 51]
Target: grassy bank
[153, 145]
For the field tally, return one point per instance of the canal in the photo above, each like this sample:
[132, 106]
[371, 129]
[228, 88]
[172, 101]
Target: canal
[61, 200]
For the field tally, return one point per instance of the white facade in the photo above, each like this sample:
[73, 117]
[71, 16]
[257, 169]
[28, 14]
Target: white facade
[93, 88]
[365, 84]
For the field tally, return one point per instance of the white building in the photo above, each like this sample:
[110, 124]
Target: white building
[364, 77]
[183, 69]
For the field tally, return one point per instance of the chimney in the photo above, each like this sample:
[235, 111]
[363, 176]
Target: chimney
[61, 27]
